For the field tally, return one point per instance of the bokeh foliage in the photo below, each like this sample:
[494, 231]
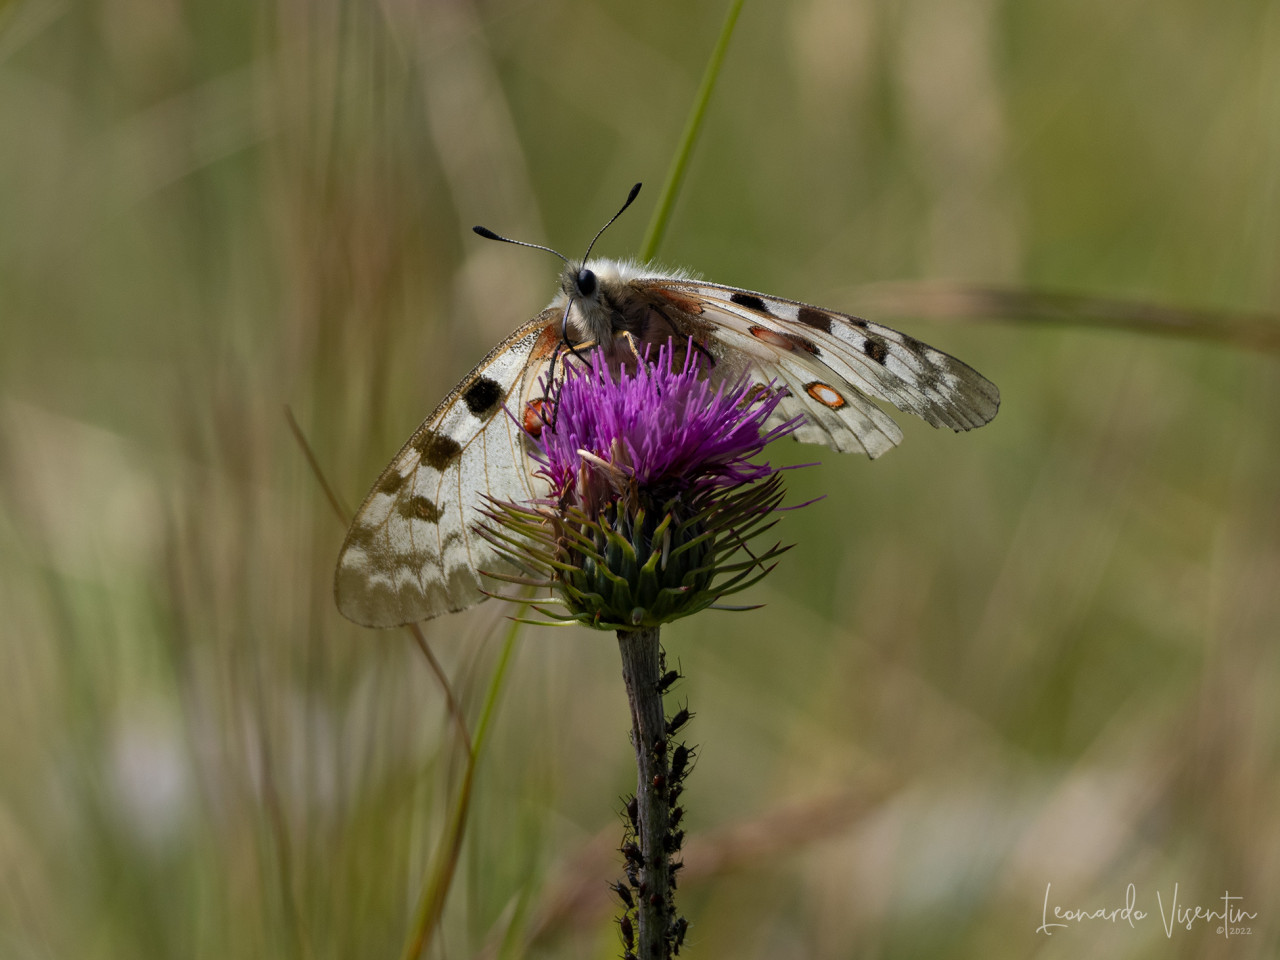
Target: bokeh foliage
[1043, 653]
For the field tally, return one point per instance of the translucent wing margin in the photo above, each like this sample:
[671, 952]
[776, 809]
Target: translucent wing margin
[412, 551]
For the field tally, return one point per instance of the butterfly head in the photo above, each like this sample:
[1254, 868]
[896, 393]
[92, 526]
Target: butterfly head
[581, 297]
[580, 283]
[585, 282]
[597, 299]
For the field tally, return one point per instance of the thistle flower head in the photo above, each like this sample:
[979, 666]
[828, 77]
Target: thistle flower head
[663, 429]
[653, 491]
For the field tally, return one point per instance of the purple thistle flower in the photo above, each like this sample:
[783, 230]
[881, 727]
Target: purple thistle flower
[653, 492]
[654, 496]
[663, 427]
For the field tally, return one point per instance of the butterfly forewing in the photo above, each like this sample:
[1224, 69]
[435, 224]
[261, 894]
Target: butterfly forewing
[850, 424]
[412, 551]
[834, 363]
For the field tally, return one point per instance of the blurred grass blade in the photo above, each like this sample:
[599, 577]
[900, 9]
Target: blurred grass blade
[335, 502]
[680, 163]
[436, 890]
[957, 301]
[344, 517]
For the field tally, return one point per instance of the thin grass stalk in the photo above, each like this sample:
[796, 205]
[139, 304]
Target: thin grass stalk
[436, 890]
[680, 163]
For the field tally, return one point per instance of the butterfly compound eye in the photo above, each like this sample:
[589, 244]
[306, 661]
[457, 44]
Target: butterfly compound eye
[586, 282]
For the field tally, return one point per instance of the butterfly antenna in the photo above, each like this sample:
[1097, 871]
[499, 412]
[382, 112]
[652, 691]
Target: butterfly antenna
[564, 321]
[630, 197]
[490, 235]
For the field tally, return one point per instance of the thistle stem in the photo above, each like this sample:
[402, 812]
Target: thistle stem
[642, 671]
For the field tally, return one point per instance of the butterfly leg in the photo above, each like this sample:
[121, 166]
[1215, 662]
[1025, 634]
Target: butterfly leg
[634, 344]
[564, 333]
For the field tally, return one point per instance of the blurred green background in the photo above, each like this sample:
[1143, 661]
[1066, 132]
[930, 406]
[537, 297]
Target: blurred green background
[1043, 653]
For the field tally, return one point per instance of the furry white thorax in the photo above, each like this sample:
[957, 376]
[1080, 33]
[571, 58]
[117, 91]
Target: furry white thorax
[624, 271]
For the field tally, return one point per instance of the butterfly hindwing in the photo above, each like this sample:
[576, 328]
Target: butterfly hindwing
[412, 551]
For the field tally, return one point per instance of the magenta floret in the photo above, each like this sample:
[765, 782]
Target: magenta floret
[663, 426]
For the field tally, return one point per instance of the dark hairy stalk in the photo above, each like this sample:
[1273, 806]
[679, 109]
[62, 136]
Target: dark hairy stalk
[652, 839]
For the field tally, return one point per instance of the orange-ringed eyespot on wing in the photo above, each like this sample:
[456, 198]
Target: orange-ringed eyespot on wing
[825, 394]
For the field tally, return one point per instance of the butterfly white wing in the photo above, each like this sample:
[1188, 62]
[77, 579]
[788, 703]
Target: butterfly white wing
[834, 364]
[412, 551]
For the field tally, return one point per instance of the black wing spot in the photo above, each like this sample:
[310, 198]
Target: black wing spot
[420, 508]
[874, 348]
[483, 397]
[438, 450]
[818, 319]
[392, 482]
[750, 301]
[808, 345]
